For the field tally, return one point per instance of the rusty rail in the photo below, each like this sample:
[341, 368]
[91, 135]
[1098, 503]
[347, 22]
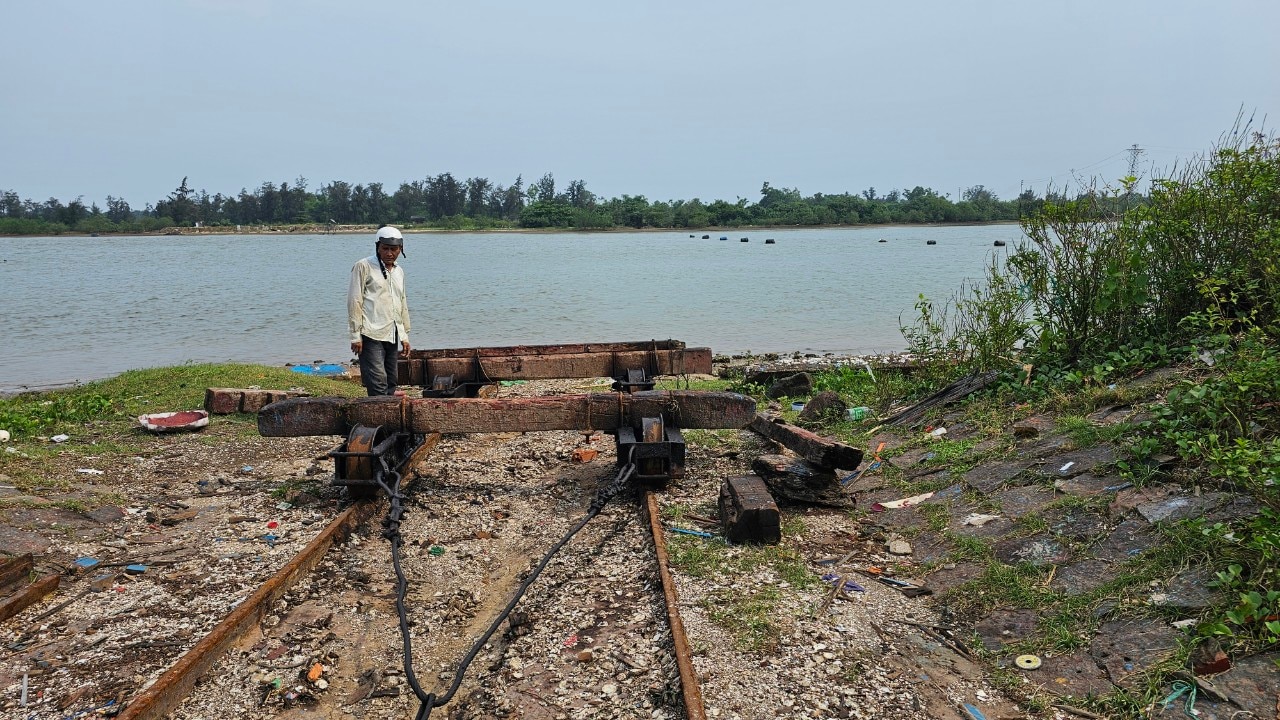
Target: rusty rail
[690, 689]
[175, 684]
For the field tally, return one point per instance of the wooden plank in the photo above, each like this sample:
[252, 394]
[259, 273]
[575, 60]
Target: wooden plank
[27, 596]
[15, 569]
[598, 411]
[824, 453]
[748, 511]
[957, 390]
[559, 365]
[559, 349]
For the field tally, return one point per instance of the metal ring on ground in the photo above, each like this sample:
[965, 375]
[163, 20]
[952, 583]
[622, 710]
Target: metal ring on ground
[1027, 662]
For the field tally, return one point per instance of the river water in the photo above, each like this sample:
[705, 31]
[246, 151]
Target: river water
[77, 309]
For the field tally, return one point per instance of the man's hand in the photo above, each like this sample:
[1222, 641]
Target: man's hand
[405, 343]
[356, 347]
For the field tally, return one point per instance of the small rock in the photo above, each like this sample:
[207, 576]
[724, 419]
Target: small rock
[899, 547]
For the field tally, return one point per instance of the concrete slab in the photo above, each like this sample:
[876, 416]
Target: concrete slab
[1131, 538]
[1078, 462]
[1188, 590]
[1022, 501]
[1039, 550]
[989, 477]
[1081, 577]
[1076, 676]
[1181, 506]
[948, 577]
[1089, 484]
[1005, 627]
[1128, 647]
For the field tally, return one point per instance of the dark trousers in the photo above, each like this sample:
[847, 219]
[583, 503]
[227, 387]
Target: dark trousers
[379, 366]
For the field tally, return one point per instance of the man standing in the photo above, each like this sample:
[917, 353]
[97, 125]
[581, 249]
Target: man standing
[378, 313]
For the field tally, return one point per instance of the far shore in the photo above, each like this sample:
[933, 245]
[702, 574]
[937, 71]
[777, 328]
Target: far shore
[360, 229]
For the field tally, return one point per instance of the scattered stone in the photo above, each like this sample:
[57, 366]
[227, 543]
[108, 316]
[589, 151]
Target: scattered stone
[1128, 647]
[797, 385]
[1111, 415]
[1032, 426]
[1046, 445]
[1252, 684]
[826, 405]
[899, 547]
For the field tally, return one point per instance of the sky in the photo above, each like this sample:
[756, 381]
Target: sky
[666, 99]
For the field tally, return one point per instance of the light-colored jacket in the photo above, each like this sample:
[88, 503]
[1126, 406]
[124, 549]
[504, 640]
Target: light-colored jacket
[377, 307]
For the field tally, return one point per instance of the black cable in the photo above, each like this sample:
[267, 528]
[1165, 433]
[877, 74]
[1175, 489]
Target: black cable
[430, 701]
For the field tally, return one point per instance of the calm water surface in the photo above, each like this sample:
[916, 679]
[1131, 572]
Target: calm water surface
[86, 308]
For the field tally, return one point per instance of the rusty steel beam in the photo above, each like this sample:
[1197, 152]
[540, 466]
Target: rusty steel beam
[600, 411]
[689, 687]
[175, 684]
[541, 366]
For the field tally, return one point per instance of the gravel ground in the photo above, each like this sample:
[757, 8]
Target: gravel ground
[590, 638]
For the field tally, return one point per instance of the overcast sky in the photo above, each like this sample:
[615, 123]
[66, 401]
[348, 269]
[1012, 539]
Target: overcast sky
[667, 99]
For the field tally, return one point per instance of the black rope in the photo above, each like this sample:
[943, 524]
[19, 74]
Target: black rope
[391, 532]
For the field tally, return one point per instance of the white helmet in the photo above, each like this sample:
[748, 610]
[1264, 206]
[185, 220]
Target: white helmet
[388, 235]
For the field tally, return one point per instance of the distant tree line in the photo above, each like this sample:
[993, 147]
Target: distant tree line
[446, 202]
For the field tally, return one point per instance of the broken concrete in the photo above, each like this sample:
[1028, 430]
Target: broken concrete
[1038, 550]
[1074, 676]
[1005, 627]
[1180, 506]
[1081, 577]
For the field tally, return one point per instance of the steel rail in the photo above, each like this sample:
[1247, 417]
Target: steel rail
[689, 687]
[176, 683]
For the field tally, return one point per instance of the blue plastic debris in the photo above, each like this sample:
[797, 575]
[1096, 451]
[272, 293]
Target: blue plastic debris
[322, 369]
[974, 712]
[271, 539]
[135, 569]
[85, 563]
[849, 585]
[685, 531]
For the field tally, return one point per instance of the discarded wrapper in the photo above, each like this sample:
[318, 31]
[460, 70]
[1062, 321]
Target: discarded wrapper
[979, 519]
[903, 503]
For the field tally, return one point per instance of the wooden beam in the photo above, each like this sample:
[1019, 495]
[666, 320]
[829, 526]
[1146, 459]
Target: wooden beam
[599, 411]
[27, 596]
[560, 349]
[535, 366]
[824, 453]
[14, 569]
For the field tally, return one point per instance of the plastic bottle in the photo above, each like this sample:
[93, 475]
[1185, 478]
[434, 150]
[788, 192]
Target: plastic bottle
[859, 413]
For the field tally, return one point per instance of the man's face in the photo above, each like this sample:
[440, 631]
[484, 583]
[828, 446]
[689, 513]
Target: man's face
[388, 254]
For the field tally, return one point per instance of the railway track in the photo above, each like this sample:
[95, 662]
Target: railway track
[591, 638]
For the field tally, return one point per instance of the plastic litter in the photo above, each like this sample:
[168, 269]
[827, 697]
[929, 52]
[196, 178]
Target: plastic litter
[1066, 467]
[696, 533]
[85, 563]
[903, 503]
[89, 471]
[436, 551]
[136, 569]
[973, 712]
[859, 413]
[937, 433]
[1180, 688]
[797, 406]
[833, 579]
[979, 519]
[60, 438]
[4, 436]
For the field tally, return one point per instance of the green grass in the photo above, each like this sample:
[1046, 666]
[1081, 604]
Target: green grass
[749, 617]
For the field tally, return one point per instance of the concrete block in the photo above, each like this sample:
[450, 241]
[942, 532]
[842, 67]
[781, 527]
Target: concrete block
[254, 400]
